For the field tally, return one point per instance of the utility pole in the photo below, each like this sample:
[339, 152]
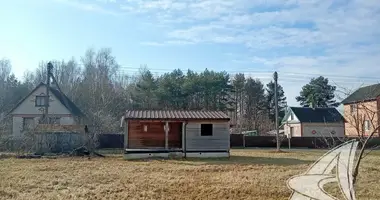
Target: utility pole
[48, 74]
[275, 76]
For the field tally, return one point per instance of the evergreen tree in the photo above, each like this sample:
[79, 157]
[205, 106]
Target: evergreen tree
[318, 93]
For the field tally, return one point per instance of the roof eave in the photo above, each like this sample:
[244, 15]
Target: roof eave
[179, 119]
[358, 101]
[22, 100]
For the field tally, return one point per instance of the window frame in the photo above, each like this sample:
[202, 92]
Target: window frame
[24, 128]
[209, 128]
[39, 104]
[367, 125]
[353, 108]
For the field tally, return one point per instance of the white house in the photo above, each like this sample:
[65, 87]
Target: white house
[313, 122]
[28, 112]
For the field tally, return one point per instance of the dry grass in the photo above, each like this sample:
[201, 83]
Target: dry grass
[248, 174]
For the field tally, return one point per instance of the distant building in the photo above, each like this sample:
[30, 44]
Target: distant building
[313, 122]
[161, 133]
[27, 113]
[362, 111]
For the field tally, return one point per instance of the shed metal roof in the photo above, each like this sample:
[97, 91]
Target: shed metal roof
[175, 114]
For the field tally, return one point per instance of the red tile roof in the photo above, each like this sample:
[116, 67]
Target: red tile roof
[175, 114]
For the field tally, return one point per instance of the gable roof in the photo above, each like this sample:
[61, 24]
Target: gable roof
[366, 93]
[175, 114]
[60, 96]
[315, 115]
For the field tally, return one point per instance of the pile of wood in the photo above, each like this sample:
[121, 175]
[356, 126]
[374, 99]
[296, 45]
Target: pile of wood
[59, 128]
[83, 151]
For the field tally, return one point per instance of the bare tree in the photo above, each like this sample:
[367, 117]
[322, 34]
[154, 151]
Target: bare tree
[361, 112]
[5, 71]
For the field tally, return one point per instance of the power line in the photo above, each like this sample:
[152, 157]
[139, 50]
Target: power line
[296, 79]
[269, 73]
[282, 74]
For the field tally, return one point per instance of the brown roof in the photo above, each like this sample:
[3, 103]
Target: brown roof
[174, 114]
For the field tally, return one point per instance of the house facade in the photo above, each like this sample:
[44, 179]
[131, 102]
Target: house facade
[26, 115]
[180, 133]
[313, 122]
[362, 111]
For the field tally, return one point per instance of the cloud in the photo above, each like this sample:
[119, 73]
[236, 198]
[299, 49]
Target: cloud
[170, 42]
[92, 6]
[340, 37]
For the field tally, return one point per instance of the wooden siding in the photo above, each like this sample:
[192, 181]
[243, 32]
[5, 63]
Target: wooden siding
[58, 127]
[155, 135]
[220, 140]
[175, 135]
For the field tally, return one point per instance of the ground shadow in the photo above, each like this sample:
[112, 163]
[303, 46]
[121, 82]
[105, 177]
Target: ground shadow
[232, 160]
[247, 160]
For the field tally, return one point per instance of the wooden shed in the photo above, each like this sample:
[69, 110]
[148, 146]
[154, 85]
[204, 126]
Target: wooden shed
[163, 133]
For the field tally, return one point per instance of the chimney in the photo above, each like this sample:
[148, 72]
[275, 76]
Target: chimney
[53, 85]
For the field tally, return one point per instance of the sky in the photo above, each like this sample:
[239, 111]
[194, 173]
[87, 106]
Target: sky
[337, 39]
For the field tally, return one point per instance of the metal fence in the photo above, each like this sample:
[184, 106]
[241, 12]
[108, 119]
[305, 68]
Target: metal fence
[116, 141]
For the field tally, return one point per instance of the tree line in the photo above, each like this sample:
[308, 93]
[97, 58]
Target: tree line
[97, 86]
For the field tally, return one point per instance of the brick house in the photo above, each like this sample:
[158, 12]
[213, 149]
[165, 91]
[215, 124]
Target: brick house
[362, 111]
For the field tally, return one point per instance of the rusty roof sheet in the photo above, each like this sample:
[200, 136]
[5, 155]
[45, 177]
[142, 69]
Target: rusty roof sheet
[175, 114]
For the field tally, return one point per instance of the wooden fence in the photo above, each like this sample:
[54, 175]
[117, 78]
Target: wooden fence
[111, 141]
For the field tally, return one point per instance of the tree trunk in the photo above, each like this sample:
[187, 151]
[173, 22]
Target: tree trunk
[357, 165]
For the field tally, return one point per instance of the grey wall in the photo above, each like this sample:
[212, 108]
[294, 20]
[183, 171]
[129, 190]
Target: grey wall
[220, 140]
[28, 109]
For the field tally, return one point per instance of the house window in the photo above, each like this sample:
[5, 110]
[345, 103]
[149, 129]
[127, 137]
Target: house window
[353, 108]
[40, 101]
[27, 123]
[367, 126]
[54, 120]
[291, 116]
[206, 129]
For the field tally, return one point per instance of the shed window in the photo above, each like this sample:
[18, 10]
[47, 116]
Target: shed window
[40, 101]
[206, 129]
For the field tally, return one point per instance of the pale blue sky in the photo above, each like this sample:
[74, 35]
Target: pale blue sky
[339, 40]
